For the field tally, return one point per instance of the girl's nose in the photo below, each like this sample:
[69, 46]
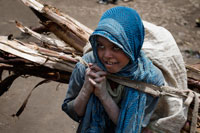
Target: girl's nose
[107, 53]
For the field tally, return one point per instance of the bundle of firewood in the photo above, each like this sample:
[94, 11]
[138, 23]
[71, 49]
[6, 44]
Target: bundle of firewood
[54, 58]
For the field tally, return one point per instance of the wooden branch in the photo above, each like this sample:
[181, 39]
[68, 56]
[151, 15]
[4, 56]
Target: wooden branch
[30, 53]
[38, 71]
[40, 29]
[65, 35]
[70, 27]
[192, 83]
[57, 43]
[54, 15]
[193, 71]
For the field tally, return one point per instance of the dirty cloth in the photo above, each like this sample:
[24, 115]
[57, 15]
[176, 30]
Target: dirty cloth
[160, 46]
[123, 27]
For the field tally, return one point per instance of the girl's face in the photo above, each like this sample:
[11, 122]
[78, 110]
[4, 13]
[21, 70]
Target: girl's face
[113, 58]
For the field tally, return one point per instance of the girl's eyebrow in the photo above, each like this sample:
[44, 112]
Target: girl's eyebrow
[99, 42]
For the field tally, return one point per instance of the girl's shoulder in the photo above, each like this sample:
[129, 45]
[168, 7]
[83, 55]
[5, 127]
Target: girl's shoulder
[89, 58]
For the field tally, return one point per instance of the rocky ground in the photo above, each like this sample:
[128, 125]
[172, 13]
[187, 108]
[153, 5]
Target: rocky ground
[43, 112]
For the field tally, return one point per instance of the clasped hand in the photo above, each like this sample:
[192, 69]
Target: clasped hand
[95, 81]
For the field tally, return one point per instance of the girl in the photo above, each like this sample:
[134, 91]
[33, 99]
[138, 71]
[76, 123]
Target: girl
[99, 104]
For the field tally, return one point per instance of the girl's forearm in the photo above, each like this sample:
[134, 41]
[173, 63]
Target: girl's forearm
[80, 102]
[111, 108]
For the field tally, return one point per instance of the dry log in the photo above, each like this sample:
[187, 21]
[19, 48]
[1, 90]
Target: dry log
[38, 71]
[37, 55]
[192, 83]
[54, 42]
[40, 29]
[193, 71]
[66, 28]
[193, 74]
[65, 35]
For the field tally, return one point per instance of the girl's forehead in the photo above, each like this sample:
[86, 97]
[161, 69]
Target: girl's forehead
[100, 38]
[104, 41]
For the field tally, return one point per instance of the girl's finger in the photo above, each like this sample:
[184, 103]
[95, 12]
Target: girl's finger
[92, 81]
[100, 79]
[90, 64]
[95, 68]
[95, 74]
[101, 73]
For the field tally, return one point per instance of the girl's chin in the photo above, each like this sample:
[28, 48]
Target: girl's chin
[112, 70]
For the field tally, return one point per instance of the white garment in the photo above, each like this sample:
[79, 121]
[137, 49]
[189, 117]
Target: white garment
[161, 48]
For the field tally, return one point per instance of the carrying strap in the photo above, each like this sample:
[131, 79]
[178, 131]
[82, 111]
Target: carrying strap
[186, 94]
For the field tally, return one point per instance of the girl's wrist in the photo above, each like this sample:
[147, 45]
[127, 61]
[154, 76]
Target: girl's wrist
[104, 98]
[85, 93]
[87, 88]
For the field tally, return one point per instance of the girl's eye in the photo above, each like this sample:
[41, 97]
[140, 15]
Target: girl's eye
[100, 46]
[116, 48]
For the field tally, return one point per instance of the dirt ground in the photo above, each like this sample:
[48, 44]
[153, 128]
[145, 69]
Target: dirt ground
[43, 112]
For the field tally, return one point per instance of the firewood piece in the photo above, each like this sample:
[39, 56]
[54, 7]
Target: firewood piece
[66, 35]
[194, 83]
[193, 71]
[72, 28]
[40, 29]
[66, 23]
[38, 71]
[57, 43]
[19, 49]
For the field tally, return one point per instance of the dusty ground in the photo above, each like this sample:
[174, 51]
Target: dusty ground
[43, 112]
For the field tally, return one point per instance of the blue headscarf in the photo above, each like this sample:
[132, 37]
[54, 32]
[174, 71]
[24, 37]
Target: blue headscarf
[123, 27]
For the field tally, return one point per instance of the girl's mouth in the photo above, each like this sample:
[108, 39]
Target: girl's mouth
[110, 63]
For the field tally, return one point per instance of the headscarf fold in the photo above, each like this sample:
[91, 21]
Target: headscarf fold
[123, 27]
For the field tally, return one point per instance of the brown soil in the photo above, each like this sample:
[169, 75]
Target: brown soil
[43, 112]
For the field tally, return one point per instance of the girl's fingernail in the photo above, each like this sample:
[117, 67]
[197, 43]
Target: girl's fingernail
[90, 65]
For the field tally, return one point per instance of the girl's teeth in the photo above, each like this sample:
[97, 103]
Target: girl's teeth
[110, 63]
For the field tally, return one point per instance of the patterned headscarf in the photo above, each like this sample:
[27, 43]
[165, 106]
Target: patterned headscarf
[123, 27]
